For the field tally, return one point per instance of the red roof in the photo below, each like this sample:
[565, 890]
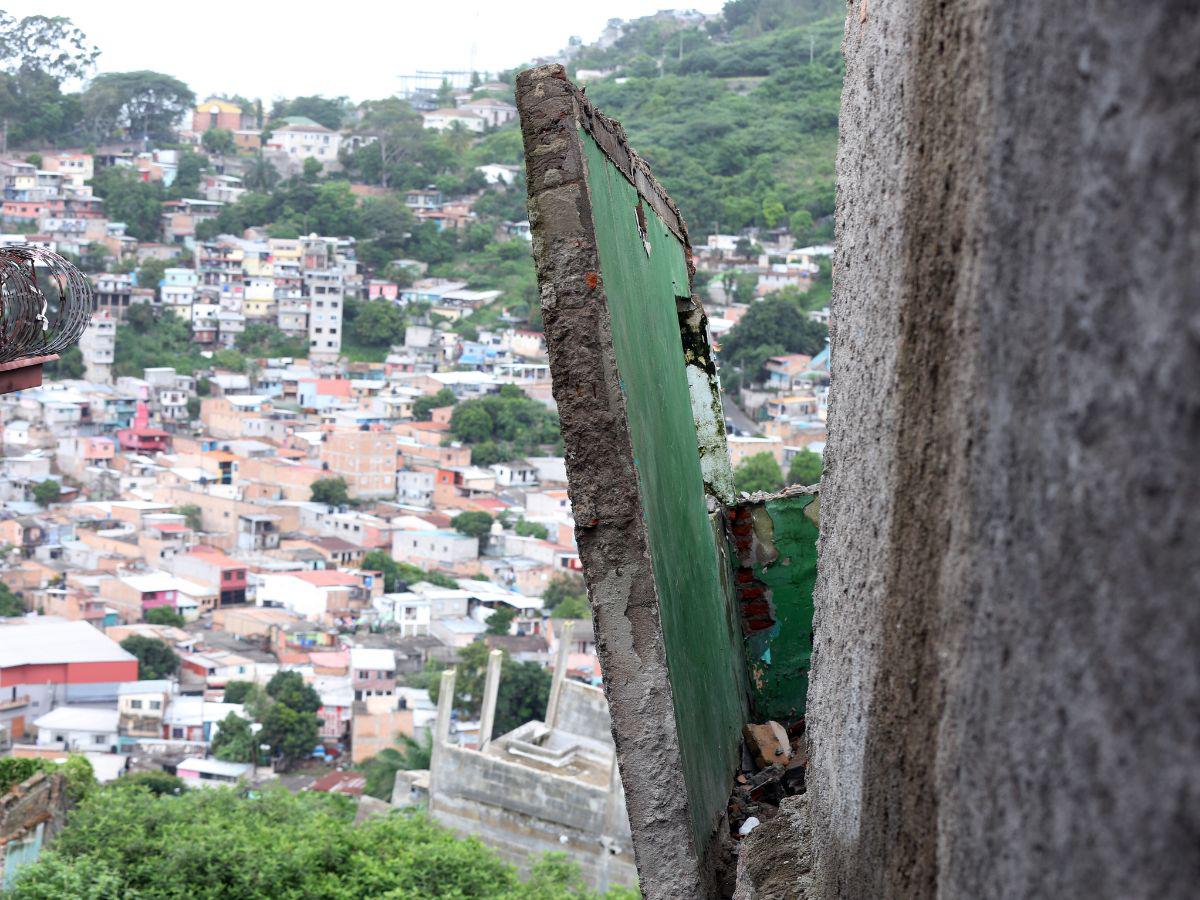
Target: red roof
[352, 783]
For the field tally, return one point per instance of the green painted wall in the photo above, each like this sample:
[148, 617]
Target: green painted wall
[779, 657]
[703, 647]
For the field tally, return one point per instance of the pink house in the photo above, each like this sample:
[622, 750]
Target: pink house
[380, 289]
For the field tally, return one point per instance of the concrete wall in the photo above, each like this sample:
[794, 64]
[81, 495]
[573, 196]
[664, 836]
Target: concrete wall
[1005, 695]
[583, 710]
[522, 813]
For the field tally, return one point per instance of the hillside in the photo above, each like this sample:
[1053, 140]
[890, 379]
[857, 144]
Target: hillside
[737, 118]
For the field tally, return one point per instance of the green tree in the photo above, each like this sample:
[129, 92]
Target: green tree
[234, 741]
[330, 491]
[779, 322]
[423, 407]
[261, 175]
[291, 734]
[327, 111]
[157, 783]
[381, 768]
[500, 622]
[11, 603]
[46, 492]
[262, 340]
[572, 608]
[805, 468]
[218, 141]
[525, 528]
[68, 365]
[563, 587]
[192, 516]
[150, 273]
[130, 200]
[126, 841]
[237, 691]
[759, 472]
[378, 323]
[155, 658]
[396, 574]
[231, 360]
[164, 615]
[135, 104]
[473, 523]
[51, 45]
[288, 688]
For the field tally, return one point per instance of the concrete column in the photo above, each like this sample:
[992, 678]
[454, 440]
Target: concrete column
[491, 689]
[441, 728]
[1005, 694]
[560, 670]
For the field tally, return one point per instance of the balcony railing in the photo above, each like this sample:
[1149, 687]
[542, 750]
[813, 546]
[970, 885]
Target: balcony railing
[45, 305]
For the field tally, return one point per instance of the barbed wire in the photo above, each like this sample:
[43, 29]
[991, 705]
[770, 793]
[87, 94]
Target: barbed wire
[45, 303]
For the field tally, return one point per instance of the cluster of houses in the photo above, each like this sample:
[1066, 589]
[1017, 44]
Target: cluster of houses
[785, 414]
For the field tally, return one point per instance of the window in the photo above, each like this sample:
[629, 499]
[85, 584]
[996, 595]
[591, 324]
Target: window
[156, 704]
[135, 704]
[99, 739]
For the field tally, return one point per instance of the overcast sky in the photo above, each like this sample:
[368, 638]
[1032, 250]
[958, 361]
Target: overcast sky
[352, 48]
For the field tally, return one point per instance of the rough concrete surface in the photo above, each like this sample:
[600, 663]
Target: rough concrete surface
[775, 859]
[1005, 696]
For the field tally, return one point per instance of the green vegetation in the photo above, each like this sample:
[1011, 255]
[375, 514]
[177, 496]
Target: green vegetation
[77, 771]
[805, 468]
[157, 783]
[150, 337]
[775, 326]
[500, 622]
[237, 691]
[263, 340]
[164, 615]
[381, 768]
[234, 741]
[525, 528]
[760, 472]
[330, 491]
[126, 841]
[46, 492]
[572, 608]
[423, 407]
[564, 587]
[396, 573]
[503, 425]
[524, 687]
[289, 689]
[192, 515]
[155, 658]
[473, 523]
[740, 122]
[11, 603]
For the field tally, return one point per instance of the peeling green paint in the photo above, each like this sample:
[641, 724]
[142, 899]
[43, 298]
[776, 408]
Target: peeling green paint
[785, 561]
[644, 271]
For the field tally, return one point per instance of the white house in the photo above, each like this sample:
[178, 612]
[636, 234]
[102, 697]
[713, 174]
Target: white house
[411, 612]
[79, 728]
[442, 119]
[493, 112]
[515, 473]
[431, 549]
[302, 138]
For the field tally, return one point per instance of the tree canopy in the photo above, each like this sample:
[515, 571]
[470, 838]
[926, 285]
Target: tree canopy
[155, 658]
[127, 841]
[397, 573]
[331, 491]
[805, 468]
[760, 472]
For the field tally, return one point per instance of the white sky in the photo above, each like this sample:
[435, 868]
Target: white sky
[352, 48]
